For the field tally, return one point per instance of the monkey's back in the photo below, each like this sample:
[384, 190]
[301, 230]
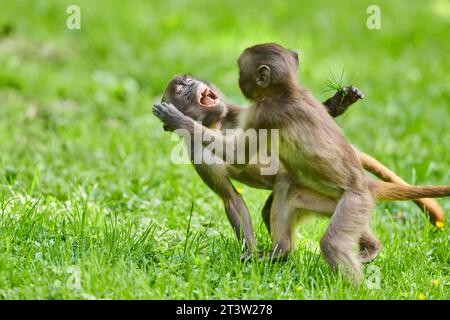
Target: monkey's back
[312, 146]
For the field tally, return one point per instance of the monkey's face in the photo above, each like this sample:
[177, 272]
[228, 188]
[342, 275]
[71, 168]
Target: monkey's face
[247, 79]
[264, 68]
[195, 99]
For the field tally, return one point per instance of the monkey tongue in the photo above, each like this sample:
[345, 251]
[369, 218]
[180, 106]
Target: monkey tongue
[207, 101]
[206, 96]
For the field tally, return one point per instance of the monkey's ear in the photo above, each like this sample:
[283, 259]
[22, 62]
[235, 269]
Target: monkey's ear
[263, 77]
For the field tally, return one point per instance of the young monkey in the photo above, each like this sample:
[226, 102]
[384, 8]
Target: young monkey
[314, 152]
[204, 103]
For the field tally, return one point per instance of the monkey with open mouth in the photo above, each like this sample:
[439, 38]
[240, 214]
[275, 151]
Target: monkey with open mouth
[204, 103]
[317, 159]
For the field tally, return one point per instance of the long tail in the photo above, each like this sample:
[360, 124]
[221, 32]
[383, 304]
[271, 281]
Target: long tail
[395, 191]
[432, 208]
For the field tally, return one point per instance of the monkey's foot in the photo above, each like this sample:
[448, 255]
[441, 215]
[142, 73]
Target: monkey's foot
[272, 256]
[369, 252]
[246, 256]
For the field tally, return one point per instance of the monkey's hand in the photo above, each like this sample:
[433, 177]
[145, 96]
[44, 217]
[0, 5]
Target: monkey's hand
[171, 117]
[342, 99]
[350, 95]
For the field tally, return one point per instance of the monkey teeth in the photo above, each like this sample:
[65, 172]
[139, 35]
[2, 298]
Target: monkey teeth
[207, 97]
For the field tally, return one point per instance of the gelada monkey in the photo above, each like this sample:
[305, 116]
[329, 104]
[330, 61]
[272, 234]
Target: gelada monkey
[203, 102]
[315, 154]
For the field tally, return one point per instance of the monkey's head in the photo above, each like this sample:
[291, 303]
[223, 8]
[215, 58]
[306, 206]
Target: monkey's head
[265, 69]
[196, 99]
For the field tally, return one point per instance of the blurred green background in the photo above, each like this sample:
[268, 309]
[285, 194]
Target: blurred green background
[90, 205]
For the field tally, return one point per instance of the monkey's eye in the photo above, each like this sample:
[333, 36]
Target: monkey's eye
[179, 88]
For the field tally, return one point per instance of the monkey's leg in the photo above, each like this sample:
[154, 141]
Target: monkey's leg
[215, 176]
[282, 220]
[305, 200]
[239, 218]
[280, 207]
[349, 220]
[300, 200]
[265, 212]
[290, 207]
[308, 200]
[369, 246]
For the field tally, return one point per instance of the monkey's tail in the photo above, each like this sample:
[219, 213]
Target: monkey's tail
[396, 191]
[431, 207]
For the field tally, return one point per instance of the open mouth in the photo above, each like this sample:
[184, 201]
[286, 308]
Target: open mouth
[206, 97]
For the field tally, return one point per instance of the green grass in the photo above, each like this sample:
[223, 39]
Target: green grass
[91, 206]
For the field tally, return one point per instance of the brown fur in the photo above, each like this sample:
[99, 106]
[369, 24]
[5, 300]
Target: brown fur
[226, 116]
[313, 189]
[314, 152]
[392, 191]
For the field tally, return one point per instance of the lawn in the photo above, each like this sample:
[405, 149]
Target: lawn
[91, 206]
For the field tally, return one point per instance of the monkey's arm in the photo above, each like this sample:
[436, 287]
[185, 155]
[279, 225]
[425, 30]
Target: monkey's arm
[335, 105]
[342, 99]
[174, 119]
[235, 146]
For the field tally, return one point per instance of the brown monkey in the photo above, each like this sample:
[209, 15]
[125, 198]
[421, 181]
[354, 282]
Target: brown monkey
[314, 152]
[202, 102]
